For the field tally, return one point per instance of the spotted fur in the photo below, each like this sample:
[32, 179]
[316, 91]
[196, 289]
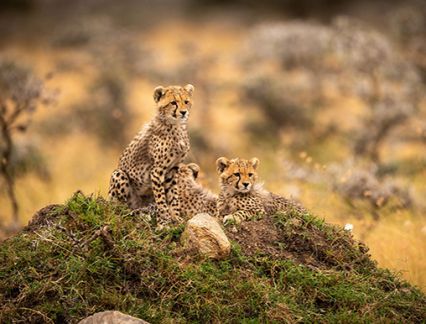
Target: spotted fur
[160, 146]
[241, 196]
[182, 190]
[192, 198]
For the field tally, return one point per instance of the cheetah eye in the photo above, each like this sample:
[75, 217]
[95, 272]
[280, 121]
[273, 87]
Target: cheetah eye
[237, 174]
[250, 175]
[186, 102]
[174, 103]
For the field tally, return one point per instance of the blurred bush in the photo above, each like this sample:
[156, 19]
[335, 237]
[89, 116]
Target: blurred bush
[111, 53]
[355, 182]
[391, 86]
[308, 61]
[26, 157]
[105, 113]
[408, 25]
[284, 101]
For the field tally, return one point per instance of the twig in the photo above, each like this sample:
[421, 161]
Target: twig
[106, 236]
[45, 317]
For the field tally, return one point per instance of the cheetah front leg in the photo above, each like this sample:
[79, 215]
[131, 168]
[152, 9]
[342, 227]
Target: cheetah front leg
[173, 200]
[162, 164]
[157, 180]
[173, 194]
[237, 217]
[165, 214]
[119, 187]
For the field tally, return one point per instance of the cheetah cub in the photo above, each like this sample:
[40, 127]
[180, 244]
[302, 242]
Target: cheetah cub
[241, 197]
[192, 198]
[160, 146]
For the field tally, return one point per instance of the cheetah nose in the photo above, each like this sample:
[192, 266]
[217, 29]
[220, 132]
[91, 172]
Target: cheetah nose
[183, 113]
[245, 184]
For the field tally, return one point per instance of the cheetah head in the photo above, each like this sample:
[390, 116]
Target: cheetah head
[237, 175]
[188, 172]
[174, 103]
[184, 174]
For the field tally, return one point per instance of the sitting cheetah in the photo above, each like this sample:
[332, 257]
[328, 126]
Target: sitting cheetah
[161, 145]
[241, 197]
[191, 197]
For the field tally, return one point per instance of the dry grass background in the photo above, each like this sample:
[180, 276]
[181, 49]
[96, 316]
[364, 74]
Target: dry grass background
[202, 46]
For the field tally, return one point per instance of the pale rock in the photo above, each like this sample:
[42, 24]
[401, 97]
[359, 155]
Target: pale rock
[204, 233]
[111, 317]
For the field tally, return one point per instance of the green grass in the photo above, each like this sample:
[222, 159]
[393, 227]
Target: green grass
[89, 256]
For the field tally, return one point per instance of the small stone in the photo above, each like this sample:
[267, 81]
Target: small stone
[348, 227]
[111, 317]
[204, 233]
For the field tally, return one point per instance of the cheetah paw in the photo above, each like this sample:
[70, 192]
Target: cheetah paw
[143, 213]
[231, 220]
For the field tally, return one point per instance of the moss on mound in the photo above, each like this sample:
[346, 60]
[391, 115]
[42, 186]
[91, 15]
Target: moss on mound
[87, 256]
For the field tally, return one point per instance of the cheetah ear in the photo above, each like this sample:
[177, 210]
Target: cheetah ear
[254, 162]
[221, 164]
[195, 169]
[189, 88]
[158, 93]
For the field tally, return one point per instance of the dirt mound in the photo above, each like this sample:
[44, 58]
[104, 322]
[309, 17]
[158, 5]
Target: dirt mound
[44, 217]
[87, 256]
[259, 237]
[304, 239]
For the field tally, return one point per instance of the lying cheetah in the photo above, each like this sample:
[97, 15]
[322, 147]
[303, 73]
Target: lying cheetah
[161, 145]
[191, 197]
[241, 197]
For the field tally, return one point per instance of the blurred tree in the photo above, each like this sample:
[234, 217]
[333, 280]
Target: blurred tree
[20, 95]
[291, 95]
[389, 85]
[348, 57]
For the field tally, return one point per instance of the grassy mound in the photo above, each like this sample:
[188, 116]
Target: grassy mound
[87, 256]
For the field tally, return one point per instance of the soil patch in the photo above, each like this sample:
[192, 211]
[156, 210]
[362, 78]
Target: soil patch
[259, 237]
[43, 217]
[300, 239]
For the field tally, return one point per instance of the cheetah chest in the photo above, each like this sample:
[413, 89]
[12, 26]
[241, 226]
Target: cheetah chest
[178, 151]
[248, 203]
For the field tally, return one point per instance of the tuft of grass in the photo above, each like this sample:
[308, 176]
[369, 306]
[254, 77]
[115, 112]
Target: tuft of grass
[89, 255]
